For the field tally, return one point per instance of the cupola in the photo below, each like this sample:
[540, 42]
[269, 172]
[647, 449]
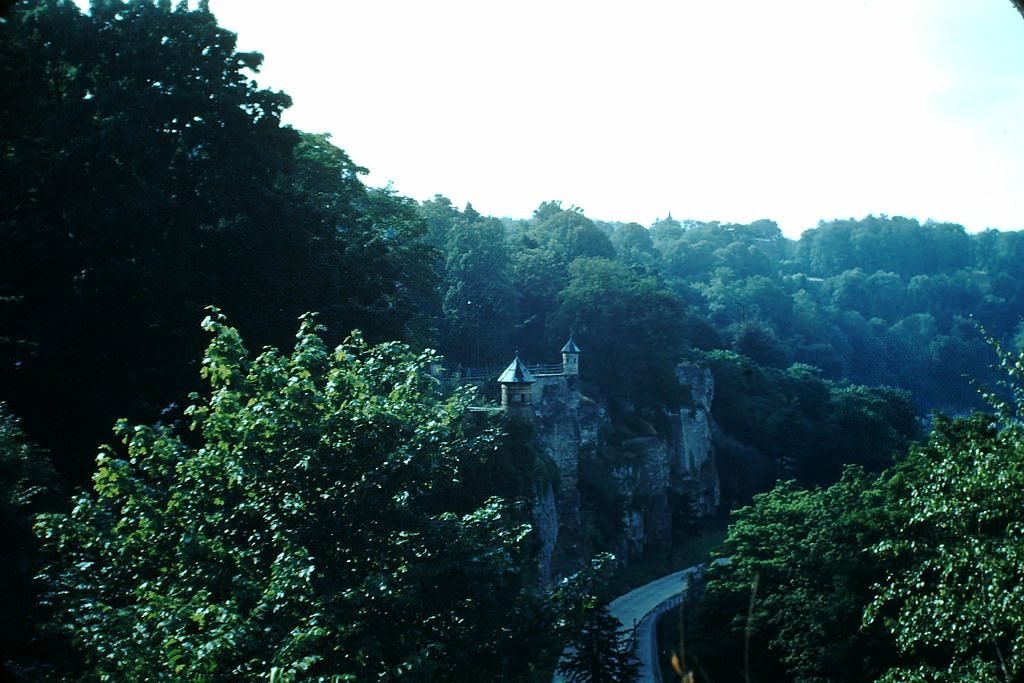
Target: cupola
[571, 359]
[516, 388]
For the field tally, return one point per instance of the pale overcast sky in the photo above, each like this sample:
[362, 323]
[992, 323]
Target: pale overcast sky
[794, 110]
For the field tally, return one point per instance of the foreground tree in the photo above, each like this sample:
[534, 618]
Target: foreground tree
[27, 487]
[794, 587]
[145, 176]
[599, 650]
[600, 653]
[911, 576]
[952, 597]
[313, 525]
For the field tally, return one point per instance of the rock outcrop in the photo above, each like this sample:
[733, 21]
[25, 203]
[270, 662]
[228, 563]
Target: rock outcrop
[664, 479]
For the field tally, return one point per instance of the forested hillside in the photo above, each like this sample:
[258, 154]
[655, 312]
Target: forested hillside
[318, 504]
[875, 301]
[911, 575]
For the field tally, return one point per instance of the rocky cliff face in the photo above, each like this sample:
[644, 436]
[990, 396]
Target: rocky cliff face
[696, 466]
[661, 481]
[567, 426]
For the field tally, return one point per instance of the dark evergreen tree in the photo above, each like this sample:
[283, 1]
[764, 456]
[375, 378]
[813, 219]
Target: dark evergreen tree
[28, 486]
[601, 652]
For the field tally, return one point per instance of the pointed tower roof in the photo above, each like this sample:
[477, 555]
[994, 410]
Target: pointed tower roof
[516, 372]
[570, 346]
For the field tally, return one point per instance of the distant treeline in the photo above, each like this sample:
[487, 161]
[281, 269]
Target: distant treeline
[876, 301]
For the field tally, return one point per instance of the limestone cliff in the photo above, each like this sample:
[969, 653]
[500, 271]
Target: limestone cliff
[661, 480]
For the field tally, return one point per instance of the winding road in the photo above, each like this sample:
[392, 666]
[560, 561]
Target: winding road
[639, 610]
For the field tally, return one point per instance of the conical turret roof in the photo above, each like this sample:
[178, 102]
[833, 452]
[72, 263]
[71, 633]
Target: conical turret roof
[570, 346]
[516, 372]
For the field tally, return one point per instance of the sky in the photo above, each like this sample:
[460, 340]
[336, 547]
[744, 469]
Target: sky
[728, 110]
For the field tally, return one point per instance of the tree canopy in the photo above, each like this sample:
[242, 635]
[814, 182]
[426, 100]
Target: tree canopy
[911, 576]
[314, 523]
[144, 177]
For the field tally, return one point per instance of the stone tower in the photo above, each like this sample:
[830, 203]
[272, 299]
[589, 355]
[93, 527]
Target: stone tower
[517, 389]
[571, 359]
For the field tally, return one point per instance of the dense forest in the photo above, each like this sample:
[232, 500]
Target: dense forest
[318, 505]
[910, 575]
